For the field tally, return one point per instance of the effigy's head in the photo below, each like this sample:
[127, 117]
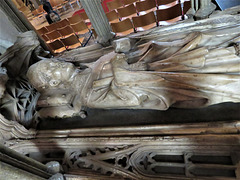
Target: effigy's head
[51, 74]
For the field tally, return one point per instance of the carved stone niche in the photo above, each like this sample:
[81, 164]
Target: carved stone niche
[173, 157]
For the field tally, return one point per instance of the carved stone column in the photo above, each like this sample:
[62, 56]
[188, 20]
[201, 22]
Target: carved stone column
[192, 10]
[99, 20]
[192, 5]
[196, 5]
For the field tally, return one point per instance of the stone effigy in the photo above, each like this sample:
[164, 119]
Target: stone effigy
[190, 79]
[190, 70]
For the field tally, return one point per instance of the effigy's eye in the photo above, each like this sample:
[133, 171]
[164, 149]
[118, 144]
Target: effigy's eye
[54, 82]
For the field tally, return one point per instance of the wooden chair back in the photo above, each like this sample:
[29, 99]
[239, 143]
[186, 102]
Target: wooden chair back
[52, 27]
[56, 46]
[42, 30]
[114, 4]
[66, 31]
[40, 9]
[84, 16]
[164, 2]
[169, 13]
[24, 9]
[53, 35]
[63, 23]
[112, 16]
[145, 5]
[35, 12]
[123, 27]
[52, 2]
[71, 42]
[56, 2]
[94, 33]
[45, 37]
[75, 19]
[127, 11]
[80, 27]
[186, 6]
[126, 2]
[145, 20]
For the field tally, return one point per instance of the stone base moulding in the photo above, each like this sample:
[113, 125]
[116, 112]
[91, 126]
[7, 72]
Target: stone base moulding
[232, 127]
[169, 157]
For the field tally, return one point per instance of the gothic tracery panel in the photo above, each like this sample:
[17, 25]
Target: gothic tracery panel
[144, 162]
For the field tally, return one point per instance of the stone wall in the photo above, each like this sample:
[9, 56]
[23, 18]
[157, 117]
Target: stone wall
[8, 33]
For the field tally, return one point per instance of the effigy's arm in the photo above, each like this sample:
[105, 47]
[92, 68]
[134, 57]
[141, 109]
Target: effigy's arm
[165, 47]
[201, 60]
[106, 92]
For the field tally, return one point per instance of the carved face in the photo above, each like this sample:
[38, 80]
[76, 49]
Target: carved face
[3, 80]
[51, 74]
[54, 17]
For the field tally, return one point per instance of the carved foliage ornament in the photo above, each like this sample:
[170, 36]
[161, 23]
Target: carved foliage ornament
[12, 129]
[19, 102]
